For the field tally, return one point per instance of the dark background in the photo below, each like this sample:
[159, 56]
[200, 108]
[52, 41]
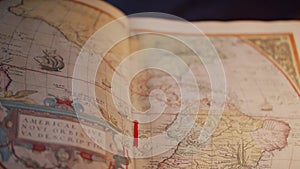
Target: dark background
[196, 10]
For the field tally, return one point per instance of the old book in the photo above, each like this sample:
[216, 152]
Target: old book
[85, 86]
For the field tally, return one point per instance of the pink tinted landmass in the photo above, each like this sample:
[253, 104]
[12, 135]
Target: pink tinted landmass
[273, 135]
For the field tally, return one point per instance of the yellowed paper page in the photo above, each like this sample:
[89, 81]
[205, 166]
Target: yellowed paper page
[45, 102]
[259, 126]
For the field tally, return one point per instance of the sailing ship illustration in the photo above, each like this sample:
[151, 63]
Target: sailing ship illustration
[50, 61]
